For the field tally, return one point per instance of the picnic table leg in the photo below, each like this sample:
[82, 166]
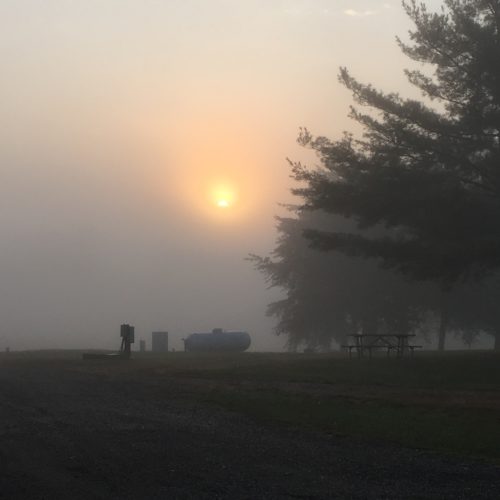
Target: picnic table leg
[359, 347]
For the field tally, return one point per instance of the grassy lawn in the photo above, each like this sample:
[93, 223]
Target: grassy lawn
[446, 402]
[457, 430]
[449, 402]
[476, 371]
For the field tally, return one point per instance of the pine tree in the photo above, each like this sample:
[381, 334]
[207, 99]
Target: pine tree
[427, 171]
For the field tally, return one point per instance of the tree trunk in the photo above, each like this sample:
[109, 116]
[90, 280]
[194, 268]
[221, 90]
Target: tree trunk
[443, 324]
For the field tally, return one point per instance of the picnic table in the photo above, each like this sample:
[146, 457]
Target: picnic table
[392, 342]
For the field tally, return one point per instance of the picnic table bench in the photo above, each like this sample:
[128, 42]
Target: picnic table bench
[392, 342]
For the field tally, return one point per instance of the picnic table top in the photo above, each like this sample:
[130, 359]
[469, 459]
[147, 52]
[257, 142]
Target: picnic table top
[382, 335]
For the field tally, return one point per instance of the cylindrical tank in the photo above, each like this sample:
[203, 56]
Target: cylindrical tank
[218, 341]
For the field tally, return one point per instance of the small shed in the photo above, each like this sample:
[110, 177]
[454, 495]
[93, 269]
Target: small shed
[159, 341]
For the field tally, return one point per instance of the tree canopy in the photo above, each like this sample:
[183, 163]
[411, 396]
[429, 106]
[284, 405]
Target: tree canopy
[427, 171]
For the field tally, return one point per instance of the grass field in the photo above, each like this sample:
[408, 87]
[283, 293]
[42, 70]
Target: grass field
[448, 403]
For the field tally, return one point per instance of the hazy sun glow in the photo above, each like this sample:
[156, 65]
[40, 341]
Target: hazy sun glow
[223, 195]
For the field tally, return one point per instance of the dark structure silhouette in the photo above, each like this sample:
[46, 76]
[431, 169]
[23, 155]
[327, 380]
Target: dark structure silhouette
[127, 334]
[159, 341]
[217, 341]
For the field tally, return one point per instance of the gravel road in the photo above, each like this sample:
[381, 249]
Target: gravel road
[77, 433]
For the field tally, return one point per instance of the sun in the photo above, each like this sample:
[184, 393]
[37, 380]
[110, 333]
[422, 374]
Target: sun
[223, 195]
[223, 203]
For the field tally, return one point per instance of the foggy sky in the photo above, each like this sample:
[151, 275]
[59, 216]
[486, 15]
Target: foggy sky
[117, 119]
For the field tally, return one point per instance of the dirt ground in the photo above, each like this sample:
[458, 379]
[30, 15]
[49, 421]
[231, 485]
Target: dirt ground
[72, 430]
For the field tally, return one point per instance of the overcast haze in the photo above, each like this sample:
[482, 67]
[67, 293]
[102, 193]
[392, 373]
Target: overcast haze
[124, 124]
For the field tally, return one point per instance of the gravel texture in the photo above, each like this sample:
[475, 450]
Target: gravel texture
[70, 432]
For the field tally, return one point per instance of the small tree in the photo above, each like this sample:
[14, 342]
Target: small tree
[428, 173]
